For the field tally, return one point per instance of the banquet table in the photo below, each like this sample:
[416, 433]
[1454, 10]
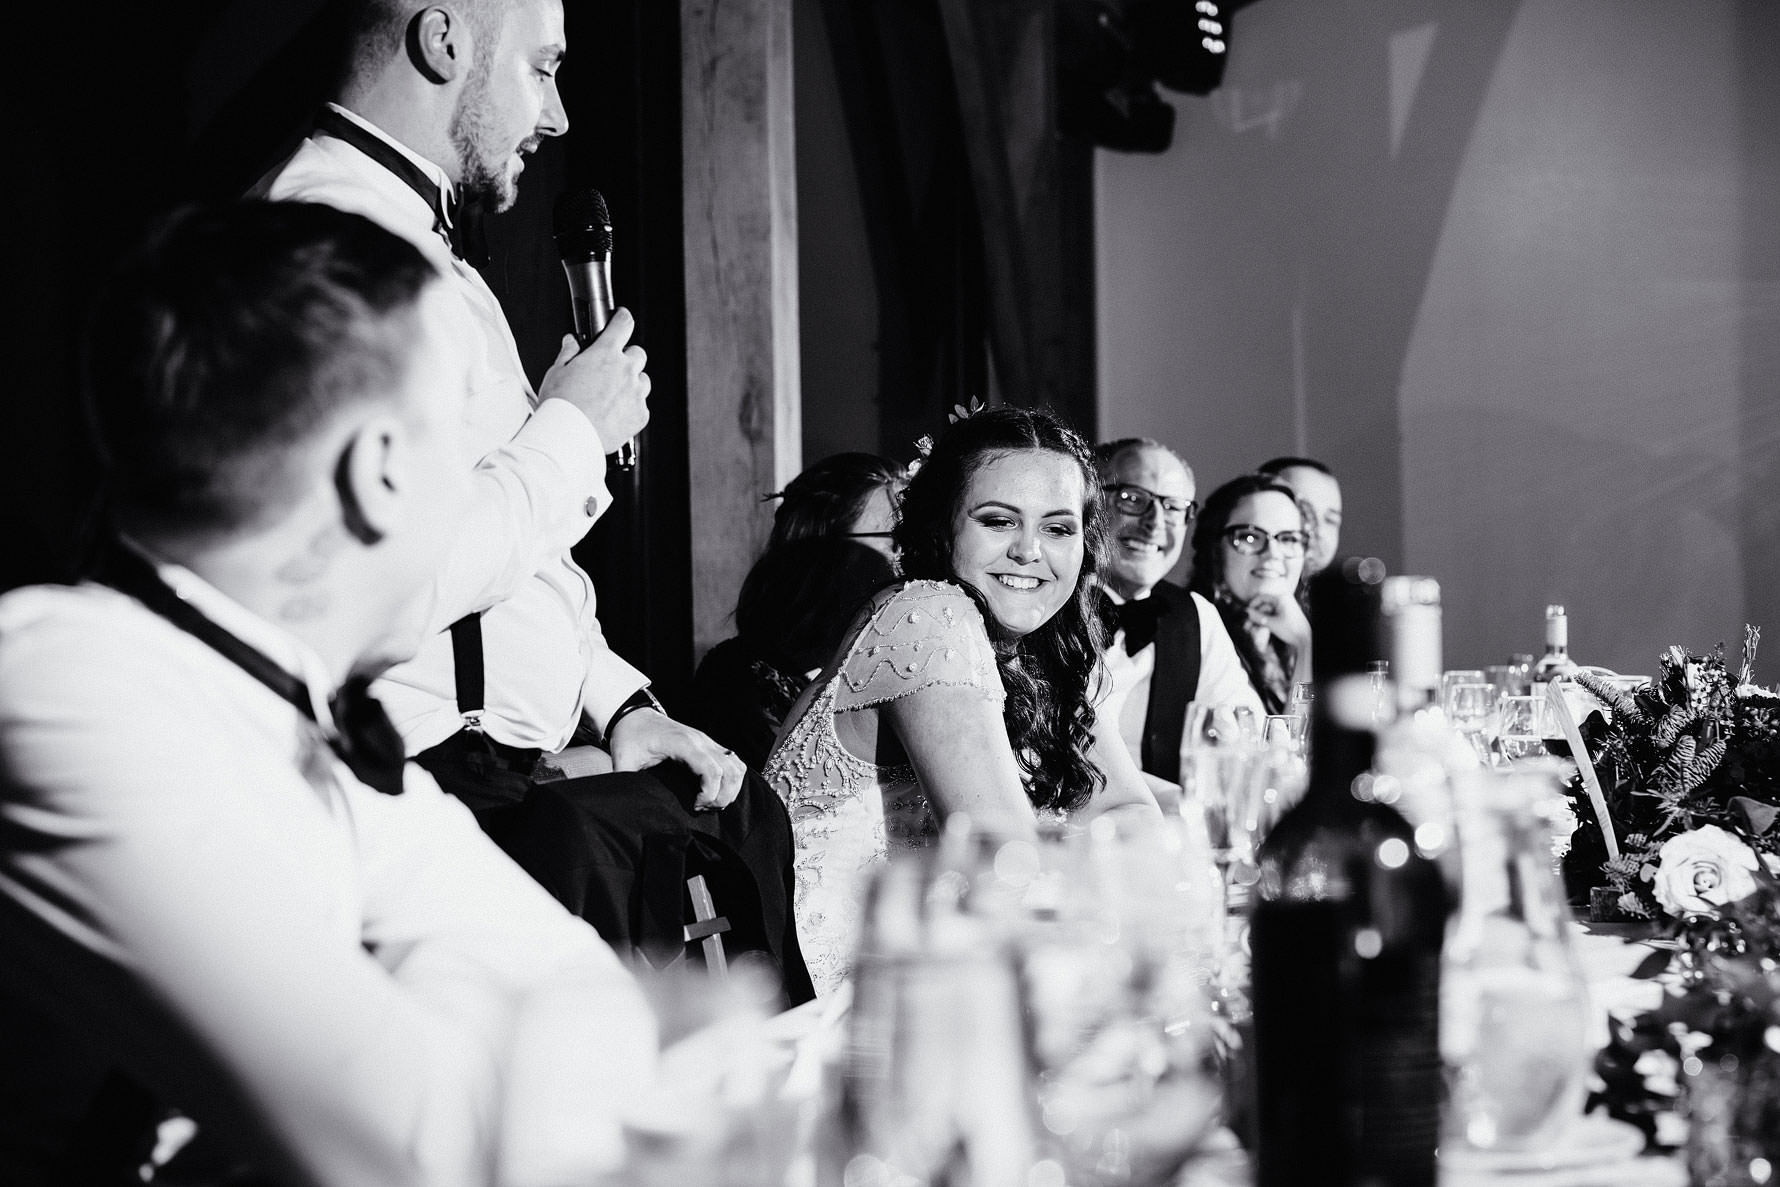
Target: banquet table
[804, 1045]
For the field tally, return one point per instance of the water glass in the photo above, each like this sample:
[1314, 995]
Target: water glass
[1525, 725]
[1514, 1002]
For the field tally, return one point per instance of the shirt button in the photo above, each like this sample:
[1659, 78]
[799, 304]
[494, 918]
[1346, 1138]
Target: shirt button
[592, 506]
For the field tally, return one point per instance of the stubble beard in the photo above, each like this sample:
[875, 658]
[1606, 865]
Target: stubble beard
[481, 182]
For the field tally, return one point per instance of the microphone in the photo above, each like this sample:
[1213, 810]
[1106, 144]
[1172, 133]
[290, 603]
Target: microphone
[583, 230]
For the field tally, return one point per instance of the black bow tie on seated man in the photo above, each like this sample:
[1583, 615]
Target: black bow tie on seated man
[458, 223]
[1136, 618]
[366, 740]
[363, 737]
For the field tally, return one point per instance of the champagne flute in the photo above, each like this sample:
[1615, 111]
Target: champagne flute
[1286, 730]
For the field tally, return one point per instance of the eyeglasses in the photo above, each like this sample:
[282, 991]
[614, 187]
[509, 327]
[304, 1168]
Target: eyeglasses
[1135, 501]
[1250, 540]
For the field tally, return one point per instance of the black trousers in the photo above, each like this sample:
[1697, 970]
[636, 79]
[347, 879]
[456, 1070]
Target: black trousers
[617, 849]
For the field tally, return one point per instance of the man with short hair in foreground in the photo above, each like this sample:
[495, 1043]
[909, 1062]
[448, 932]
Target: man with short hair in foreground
[1166, 647]
[218, 881]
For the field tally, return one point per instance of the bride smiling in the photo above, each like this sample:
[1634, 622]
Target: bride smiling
[966, 687]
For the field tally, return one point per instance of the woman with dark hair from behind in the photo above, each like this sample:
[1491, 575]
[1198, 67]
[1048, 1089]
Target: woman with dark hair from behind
[828, 553]
[1248, 560]
[968, 687]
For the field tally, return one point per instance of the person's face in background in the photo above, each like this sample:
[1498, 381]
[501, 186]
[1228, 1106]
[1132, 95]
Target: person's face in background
[1319, 495]
[1273, 572]
[509, 103]
[1017, 536]
[872, 526]
[1145, 547]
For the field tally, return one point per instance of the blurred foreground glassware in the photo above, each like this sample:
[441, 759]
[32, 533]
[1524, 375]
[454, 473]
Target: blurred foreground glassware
[1115, 961]
[1514, 1002]
[1283, 729]
[935, 1079]
[720, 1110]
[1219, 725]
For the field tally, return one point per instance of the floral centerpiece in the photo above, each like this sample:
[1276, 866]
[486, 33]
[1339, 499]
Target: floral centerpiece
[1689, 771]
[1691, 749]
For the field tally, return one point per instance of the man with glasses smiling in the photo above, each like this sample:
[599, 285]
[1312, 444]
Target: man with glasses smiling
[1166, 647]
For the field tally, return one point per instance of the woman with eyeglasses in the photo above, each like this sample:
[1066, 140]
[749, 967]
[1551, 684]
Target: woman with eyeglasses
[1248, 559]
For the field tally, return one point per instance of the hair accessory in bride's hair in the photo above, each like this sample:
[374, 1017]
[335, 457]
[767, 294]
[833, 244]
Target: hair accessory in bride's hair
[924, 443]
[961, 411]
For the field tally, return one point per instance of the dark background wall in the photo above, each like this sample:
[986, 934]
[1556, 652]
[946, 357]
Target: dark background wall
[1513, 268]
[193, 100]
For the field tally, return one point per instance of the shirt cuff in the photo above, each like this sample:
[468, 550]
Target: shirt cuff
[610, 683]
[563, 430]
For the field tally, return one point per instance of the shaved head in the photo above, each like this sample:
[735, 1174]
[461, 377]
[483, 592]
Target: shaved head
[379, 31]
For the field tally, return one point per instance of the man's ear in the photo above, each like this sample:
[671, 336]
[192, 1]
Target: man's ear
[439, 44]
[371, 479]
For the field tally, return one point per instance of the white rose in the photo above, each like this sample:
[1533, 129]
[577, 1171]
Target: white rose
[1700, 871]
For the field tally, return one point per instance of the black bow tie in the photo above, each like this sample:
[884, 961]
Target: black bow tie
[1137, 619]
[458, 223]
[363, 737]
[365, 740]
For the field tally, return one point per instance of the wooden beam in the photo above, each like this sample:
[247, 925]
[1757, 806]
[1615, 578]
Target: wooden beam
[740, 212]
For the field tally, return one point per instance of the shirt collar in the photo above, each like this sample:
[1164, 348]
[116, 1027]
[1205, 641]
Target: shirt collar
[278, 645]
[438, 176]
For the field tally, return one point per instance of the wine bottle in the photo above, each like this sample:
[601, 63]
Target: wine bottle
[1556, 660]
[1421, 753]
[1345, 937]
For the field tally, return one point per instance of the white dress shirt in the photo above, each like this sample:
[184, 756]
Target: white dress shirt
[1222, 678]
[349, 987]
[542, 472]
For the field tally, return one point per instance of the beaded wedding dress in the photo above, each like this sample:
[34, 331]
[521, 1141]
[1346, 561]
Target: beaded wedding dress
[846, 811]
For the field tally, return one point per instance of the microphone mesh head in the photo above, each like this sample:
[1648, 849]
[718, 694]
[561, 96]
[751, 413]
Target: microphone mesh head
[582, 226]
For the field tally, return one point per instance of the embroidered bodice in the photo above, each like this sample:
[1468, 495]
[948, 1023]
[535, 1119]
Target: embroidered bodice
[845, 810]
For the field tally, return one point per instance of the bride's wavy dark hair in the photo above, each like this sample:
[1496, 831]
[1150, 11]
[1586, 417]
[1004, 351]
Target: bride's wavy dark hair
[1049, 673]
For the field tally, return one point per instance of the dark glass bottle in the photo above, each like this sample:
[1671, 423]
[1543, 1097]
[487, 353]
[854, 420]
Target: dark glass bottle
[1346, 933]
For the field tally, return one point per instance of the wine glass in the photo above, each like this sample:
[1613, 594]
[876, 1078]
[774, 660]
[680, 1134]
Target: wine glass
[1453, 677]
[1471, 707]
